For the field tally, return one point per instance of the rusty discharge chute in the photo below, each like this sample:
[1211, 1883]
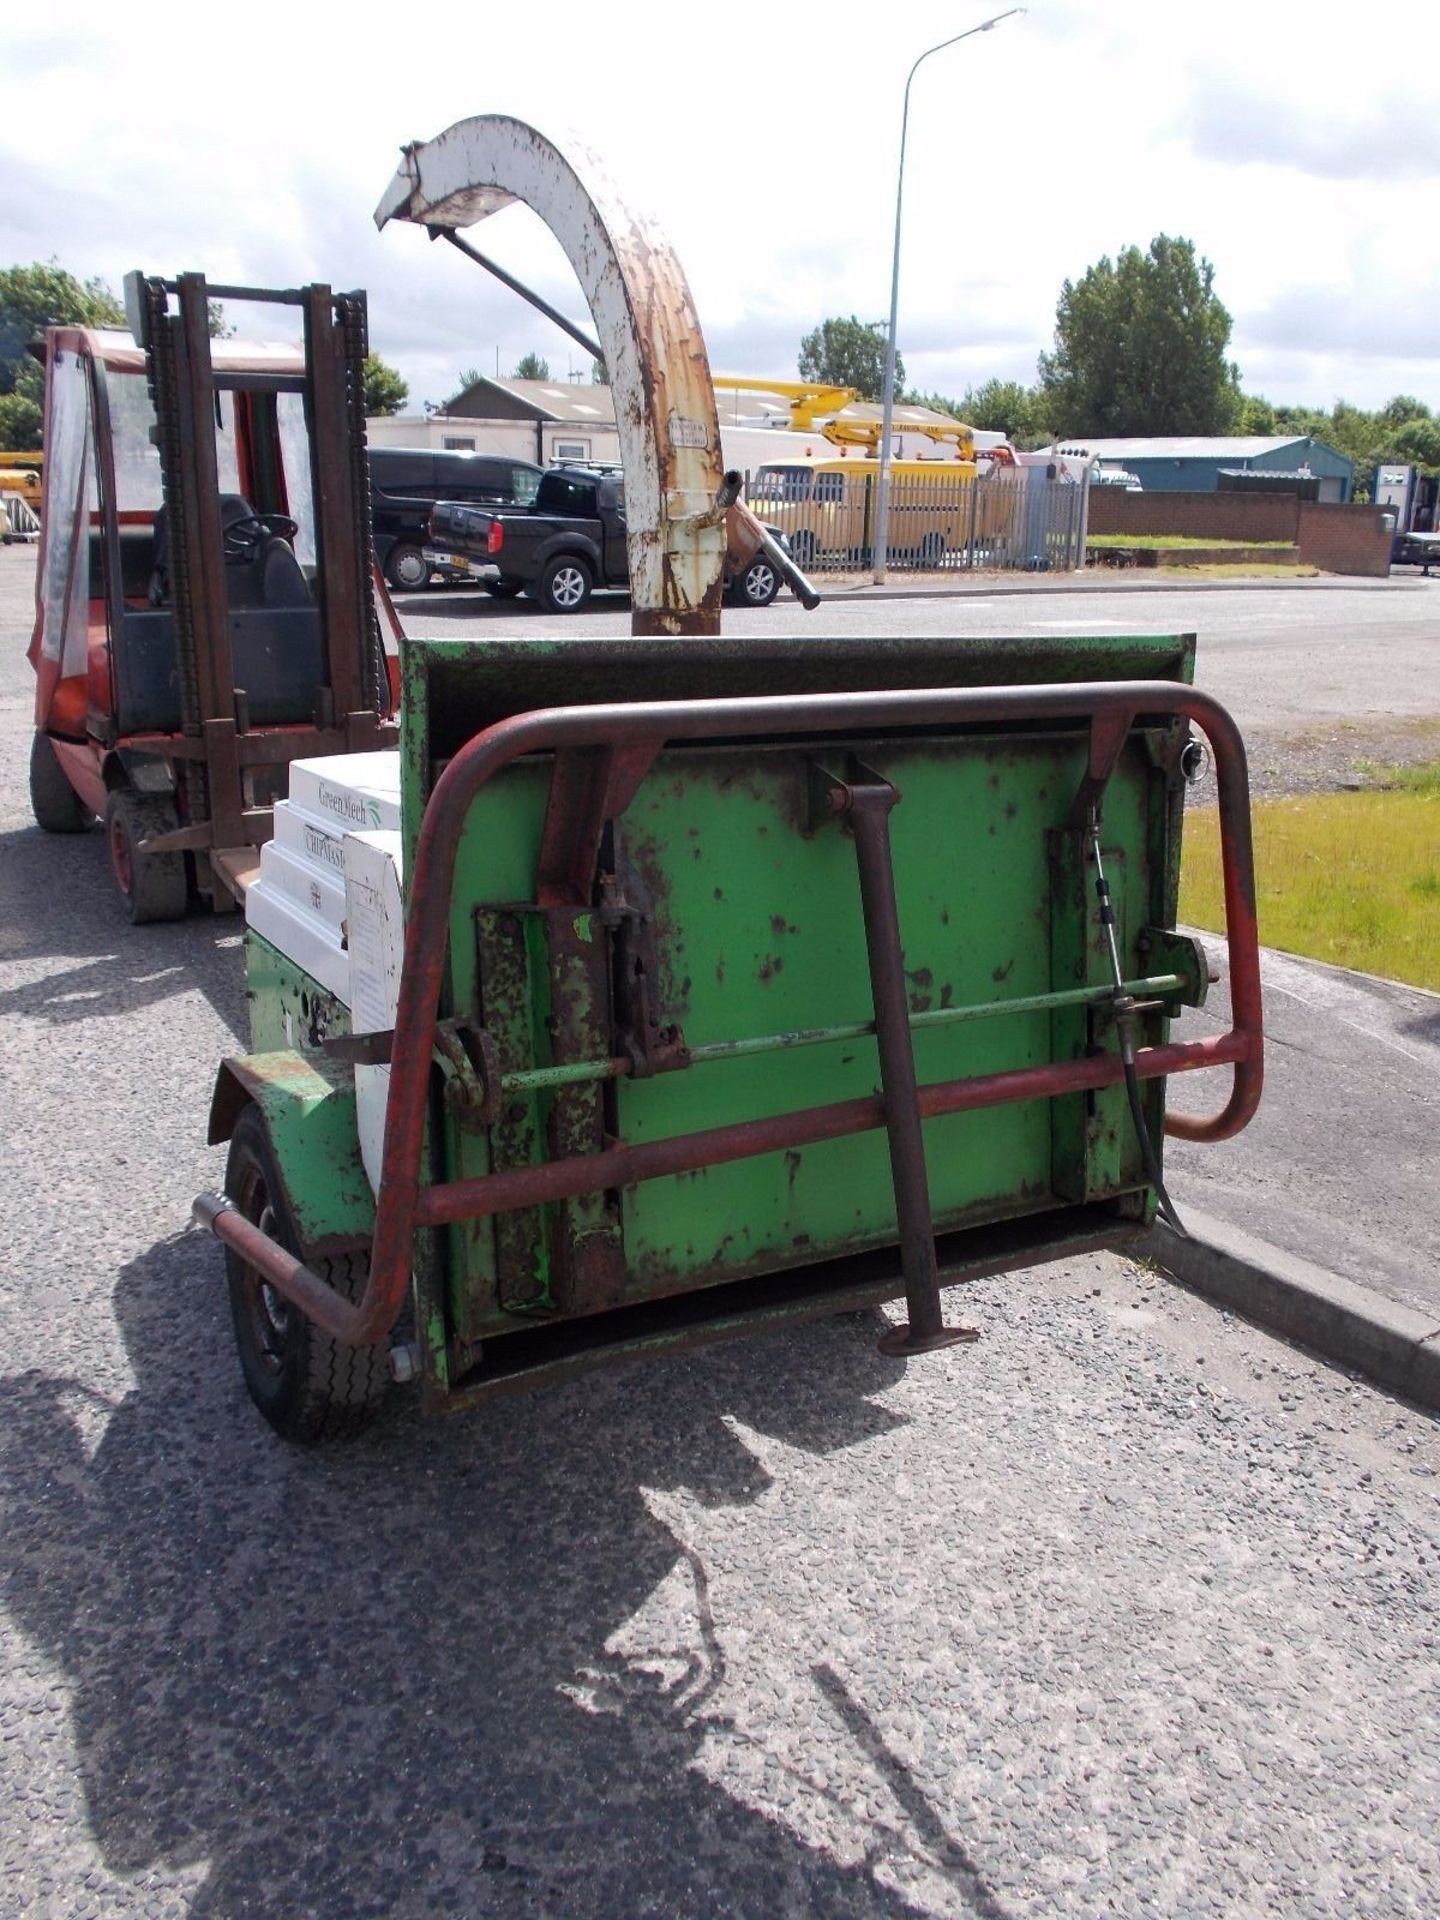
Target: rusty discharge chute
[648, 329]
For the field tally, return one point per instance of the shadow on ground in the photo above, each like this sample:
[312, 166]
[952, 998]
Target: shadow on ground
[333, 1681]
[58, 902]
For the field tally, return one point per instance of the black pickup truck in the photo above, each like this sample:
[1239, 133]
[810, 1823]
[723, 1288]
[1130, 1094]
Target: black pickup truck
[568, 542]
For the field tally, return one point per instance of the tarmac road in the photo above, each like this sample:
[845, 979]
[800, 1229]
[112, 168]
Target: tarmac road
[1283, 658]
[1127, 1610]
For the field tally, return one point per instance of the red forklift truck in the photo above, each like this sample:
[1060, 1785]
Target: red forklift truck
[206, 604]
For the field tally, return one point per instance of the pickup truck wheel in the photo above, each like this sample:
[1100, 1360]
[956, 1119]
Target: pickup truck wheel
[53, 801]
[406, 568]
[153, 886]
[565, 585]
[504, 588]
[756, 585]
[308, 1385]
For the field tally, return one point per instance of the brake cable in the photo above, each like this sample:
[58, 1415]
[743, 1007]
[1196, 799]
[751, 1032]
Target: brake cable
[1125, 1008]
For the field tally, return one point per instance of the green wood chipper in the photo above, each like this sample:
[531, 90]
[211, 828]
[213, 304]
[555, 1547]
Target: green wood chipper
[680, 986]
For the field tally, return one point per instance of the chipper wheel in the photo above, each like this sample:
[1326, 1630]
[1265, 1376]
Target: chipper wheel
[152, 885]
[53, 801]
[308, 1385]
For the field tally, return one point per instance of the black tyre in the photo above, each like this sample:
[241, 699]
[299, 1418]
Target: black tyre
[53, 801]
[804, 549]
[152, 885]
[308, 1386]
[756, 585]
[505, 587]
[565, 584]
[406, 568]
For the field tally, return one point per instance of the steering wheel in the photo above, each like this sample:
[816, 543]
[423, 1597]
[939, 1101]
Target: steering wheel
[244, 537]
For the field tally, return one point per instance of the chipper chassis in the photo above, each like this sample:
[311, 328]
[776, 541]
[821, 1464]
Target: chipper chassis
[742, 982]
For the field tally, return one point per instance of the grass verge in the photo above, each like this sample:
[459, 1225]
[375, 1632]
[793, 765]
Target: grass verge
[1349, 878]
[1171, 542]
[1242, 570]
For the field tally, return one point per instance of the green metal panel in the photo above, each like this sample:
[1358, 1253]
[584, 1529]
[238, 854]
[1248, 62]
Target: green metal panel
[307, 1101]
[758, 933]
[288, 1007]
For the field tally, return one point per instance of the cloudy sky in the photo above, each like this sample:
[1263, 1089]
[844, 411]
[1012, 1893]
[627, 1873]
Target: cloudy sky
[1297, 142]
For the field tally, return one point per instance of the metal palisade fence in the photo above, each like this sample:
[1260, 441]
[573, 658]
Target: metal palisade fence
[1015, 518]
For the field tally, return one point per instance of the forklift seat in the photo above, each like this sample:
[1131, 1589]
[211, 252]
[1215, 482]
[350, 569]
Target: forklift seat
[267, 575]
[277, 650]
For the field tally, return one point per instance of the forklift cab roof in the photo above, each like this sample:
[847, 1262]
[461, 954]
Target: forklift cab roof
[115, 350]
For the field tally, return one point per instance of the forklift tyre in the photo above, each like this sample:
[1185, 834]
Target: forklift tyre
[53, 801]
[406, 568]
[564, 585]
[308, 1386]
[153, 886]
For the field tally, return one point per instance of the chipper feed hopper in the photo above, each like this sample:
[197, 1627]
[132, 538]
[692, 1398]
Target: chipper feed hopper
[680, 986]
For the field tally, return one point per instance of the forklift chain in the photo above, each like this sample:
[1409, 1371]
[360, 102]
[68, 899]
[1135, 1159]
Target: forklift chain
[163, 381]
[351, 314]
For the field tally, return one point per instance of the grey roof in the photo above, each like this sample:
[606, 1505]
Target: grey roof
[574, 405]
[1188, 446]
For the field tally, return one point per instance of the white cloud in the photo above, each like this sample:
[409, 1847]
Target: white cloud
[765, 143]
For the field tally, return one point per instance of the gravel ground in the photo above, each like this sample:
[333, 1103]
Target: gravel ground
[1127, 1610]
[1331, 756]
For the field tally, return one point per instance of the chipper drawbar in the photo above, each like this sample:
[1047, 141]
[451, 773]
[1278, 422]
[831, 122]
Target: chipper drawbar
[678, 986]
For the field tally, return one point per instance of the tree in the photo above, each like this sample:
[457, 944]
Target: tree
[45, 295]
[1004, 406]
[847, 353]
[385, 391]
[1403, 408]
[1140, 347]
[936, 402]
[1256, 415]
[599, 374]
[469, 377]
[531, 367]
[22, 422]
[1415, 444]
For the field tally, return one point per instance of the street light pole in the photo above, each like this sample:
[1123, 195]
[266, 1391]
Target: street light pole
[882, 509]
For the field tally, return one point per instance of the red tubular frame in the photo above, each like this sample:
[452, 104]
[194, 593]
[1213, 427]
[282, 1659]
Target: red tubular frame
[404, 1205]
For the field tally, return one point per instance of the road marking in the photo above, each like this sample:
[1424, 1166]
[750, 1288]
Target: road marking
[1350, 1006]
[1065, 625]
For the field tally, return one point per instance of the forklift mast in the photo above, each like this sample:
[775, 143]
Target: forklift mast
[352, 691]
[206, 605]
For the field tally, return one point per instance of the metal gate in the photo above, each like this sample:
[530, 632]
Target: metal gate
[1010, 519]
